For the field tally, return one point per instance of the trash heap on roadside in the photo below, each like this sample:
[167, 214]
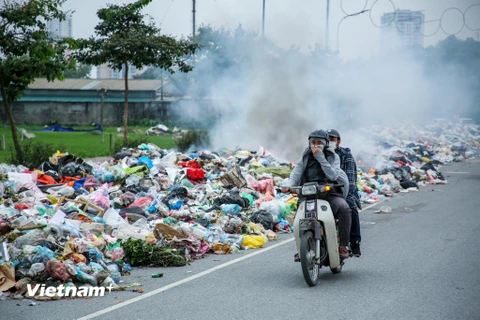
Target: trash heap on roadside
[404, 158]
[87, 224]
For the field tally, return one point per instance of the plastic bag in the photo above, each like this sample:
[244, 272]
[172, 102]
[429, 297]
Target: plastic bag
[133, 180]
[264, 218]
[167, 161]
[95, 267]
[83, 266]
[272, 207]
[35, 269]
[114, 272]
[85, 277]
[146, 161]
[231, 209]
[117, 254]
[57, 270]
[112, 218]
[175, 203]
[43, 255]
[142, 202]
[254, 242]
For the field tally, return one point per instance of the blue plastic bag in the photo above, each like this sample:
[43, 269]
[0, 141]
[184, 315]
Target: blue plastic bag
[146, 161]
[175, 204]
[43, 255]
[78, 184]
[231, 209]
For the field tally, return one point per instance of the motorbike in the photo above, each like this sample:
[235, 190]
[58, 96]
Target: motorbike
[315, 231]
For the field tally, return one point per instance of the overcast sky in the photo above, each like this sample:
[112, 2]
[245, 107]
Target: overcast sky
[296, 22]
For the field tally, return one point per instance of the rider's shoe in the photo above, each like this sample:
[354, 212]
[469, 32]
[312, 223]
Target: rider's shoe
[343, 252]
[356, 249]
[296, 257]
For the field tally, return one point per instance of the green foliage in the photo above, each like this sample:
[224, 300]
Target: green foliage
[34, 153]
[194, 139]
[132, 143]
[141, 253]
[123, 38]
[28, 52]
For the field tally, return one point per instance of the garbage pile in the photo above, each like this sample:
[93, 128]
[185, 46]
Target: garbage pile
[83, 223]
[405, 157]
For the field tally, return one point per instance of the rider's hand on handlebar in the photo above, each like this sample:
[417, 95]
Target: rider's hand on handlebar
[285, 189]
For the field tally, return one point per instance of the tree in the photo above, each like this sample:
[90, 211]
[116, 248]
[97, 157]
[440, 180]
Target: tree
[123, 38]
[27, 52]
[81, 71]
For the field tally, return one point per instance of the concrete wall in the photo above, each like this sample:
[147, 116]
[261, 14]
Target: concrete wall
[67, 113]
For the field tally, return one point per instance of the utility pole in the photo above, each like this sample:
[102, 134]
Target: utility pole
[326, 28]
[161, 88]
[263, 20]
[102, 97]
[193, 27]
[102, 104]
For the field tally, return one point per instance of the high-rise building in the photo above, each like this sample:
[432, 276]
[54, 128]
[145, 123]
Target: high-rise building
[403, 28]
[60, 29]
[105, 72]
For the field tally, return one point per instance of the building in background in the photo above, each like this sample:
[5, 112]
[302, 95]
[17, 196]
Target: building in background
[403, 28]
[60, 29]
[105, 72]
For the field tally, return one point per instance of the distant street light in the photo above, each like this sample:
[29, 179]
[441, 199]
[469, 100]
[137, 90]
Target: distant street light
[340, 22]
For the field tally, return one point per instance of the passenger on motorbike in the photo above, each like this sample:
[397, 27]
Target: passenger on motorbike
[347, 164]
[319, 163]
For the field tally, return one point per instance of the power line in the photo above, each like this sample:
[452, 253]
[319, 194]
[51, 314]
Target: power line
[349, 14]
[166, 12]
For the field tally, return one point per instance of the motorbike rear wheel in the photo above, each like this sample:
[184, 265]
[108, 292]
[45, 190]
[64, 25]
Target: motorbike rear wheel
[310, 268]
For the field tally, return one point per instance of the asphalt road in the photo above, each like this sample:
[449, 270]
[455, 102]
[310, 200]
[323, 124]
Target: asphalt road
[419, 262]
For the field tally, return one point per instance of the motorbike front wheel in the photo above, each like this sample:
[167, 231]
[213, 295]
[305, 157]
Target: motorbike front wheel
[310, 268]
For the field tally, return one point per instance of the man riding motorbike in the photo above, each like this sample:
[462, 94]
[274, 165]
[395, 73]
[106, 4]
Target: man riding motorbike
[319, 163]
[347, 164]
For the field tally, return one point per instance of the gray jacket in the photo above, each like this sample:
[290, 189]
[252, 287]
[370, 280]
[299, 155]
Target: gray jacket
[330, 164]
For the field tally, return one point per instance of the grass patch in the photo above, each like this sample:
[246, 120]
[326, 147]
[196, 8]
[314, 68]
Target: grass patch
[84, 144]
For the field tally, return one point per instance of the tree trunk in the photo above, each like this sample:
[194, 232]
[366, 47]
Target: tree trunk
[13, 126]
[125, 109]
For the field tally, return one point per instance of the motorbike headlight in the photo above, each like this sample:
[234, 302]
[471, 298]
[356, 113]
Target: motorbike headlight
[309, 190]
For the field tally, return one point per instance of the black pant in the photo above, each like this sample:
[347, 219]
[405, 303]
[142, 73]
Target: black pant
[355, 229]
[341, 211]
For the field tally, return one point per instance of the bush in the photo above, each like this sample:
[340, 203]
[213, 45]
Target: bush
[194, 139]
[132, 143]
[34, 153]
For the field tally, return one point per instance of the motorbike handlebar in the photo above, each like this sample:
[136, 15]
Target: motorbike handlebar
[295, 189]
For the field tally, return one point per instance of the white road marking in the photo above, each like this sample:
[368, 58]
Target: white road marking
[460, 172]
[175, 284]
[371, 206]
